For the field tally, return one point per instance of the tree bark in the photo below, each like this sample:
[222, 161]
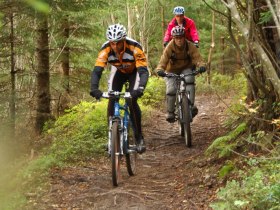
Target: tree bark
[65, 55]
[223, 55]
[12, 103]
[259, 60]
[162, 20]
[43, 110]
[211, 48]
[129, 21]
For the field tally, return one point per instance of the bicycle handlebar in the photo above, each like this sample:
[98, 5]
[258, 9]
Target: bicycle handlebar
[116, 94]
[193, 73]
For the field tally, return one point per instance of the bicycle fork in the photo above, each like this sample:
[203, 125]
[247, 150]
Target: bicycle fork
[179, 105]
[121, 134]
[182, 92]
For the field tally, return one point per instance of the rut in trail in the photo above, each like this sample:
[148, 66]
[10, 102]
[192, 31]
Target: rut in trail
[169, 176]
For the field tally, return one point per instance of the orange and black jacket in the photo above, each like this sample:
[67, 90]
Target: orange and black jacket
[131, 59]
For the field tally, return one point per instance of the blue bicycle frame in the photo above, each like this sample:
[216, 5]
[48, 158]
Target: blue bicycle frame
[118, 141]
[123, 126]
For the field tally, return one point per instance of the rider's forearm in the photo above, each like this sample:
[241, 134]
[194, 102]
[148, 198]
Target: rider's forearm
[95, 77]
[144, 75]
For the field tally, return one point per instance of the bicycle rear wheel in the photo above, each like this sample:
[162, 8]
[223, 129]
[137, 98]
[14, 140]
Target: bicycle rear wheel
[131, 155]
[115, 153]
[186, 125]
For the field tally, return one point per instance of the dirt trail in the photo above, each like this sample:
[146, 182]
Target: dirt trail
[170, 175]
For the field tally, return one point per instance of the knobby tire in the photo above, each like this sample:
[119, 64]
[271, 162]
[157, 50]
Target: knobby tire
[180, 117]
[132, 156]
[186, 121]
[115, 153]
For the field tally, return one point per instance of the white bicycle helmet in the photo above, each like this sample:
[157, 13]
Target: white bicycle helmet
[116, 32]
[179, 10]
[178, 31]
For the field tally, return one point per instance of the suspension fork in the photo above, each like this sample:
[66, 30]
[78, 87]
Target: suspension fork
[112, 119]
[181, 89]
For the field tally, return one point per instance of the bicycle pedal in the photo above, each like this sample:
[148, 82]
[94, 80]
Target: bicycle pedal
[141, 150]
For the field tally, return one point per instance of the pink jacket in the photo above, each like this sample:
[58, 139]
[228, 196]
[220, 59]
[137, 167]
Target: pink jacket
[190, 30]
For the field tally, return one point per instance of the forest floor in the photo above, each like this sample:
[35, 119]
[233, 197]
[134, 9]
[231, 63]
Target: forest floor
[170, 175]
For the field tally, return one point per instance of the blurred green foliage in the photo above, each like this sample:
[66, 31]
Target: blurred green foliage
[39, 5]
[154, 92]
[258, 189]
[222, 84]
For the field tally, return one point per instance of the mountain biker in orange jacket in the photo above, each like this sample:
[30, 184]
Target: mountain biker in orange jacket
[128, 64]
[180, 56]
[181, 20]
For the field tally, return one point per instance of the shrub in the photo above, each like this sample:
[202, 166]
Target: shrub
[259, 189]
[81, 133]
[224, 144]
[154, 93]
[222, 84]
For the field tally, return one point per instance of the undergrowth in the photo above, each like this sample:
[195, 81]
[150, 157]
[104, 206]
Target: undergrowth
[251, 163]
[80, 133]
[223, 85]
[257, 187]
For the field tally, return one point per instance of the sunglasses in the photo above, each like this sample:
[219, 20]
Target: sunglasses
[178, 37]
[116, 42]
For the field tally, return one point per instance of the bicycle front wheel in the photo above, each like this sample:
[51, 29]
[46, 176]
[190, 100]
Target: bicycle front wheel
[186, 124]
[180, 117]
[115, 153]
[131, 154]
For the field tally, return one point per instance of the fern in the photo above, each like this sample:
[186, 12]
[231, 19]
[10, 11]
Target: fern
[226, 169]
[223, 144]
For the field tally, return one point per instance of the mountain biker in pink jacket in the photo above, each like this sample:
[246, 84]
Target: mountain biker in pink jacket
[181, 20]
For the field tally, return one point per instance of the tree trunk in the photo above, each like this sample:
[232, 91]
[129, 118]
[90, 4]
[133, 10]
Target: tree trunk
[223, 55]
[238, 59]
[142, 30]
[129, 21]
[43, 75]
[65, 55]
[12, 103]
[162, 20]
[211, 48]
[259, 60]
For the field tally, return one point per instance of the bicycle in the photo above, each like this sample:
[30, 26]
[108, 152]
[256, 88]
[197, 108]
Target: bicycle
[183, 113]
[120, 140]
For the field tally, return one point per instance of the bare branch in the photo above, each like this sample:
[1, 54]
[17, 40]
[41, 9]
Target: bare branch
[276, 20]
[215, 10]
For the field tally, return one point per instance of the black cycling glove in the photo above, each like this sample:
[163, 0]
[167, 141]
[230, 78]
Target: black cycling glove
[96, 93]
[202, 69]
[137, 93]
[161, 73]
